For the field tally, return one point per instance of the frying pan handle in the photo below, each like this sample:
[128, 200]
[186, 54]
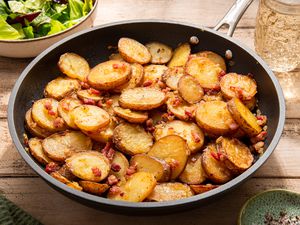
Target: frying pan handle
[233, 16]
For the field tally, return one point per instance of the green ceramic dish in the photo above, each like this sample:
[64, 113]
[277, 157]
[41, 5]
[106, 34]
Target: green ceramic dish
[272, 202]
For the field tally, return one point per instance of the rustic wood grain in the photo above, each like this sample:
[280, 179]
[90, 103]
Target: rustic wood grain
[50, 207]
[281, 161]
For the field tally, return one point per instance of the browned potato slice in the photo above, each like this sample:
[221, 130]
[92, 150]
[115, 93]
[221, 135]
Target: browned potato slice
[250, 104]
[44, 113]
[74, 66]
[37, 151]
[193, 172]
[190, 89]
[110, 107]
[205, 71]
[74, 185]
[90, 117]
[60, 177]
[173, 150]
[180, 56]
[160, 53]
[133, 51]
[170, 191]
[180, 108]
[109, 74]
[61, 145]
[214, 57]
[235, 154]
[214, 118]
[159, 168]
[89, 94]
[131, 116]
[93, 187]
[132, 139]
[243, 116]
[89, 165]
[214, 168]
[201, 188]
[116, 56]
[104, 135]
[33, 128]
[65, 106]
[136, 79]
[65, 172]
[119, 165]
[142, 98]
[213, 97]
[234, 85]
[187, 130]
[153, 75]
[172, 76]
[138, 187]
[61, 87]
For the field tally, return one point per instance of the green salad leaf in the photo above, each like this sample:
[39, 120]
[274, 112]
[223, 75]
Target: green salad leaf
[7, 32]
[56, 27]
[87, 7]
[28, 31]
[76, 9]
[18, 7]
[4, 10]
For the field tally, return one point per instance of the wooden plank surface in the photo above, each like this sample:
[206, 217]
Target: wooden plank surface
[11, 163]
[37, 198]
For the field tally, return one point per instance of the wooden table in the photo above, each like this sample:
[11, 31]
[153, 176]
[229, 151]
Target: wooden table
[22, 186]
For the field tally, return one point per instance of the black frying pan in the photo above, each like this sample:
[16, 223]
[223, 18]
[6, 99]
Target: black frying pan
[92, 44]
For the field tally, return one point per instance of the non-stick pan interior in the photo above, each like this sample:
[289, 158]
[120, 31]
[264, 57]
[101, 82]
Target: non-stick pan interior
[93, 45]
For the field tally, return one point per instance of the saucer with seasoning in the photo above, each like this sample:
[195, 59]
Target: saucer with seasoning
[272, 207]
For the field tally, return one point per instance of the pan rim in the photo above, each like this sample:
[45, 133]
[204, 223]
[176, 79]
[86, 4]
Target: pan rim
[147, 205]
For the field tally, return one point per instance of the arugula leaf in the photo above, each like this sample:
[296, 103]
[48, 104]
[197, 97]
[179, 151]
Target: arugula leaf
[28, 31]
[7, 32]
[4, 10]
[18, 7]
[76, 9]
[56, 27]
[87, 7]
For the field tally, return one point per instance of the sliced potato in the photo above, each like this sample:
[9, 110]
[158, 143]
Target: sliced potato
[214, 57]
[109, 74]
[190, 89]
[65, 106]
[214, 118]
[61, 87]
[65, 172]
[234, 85]
[180, 108]
[156, 116]
[243, 116]
[193, 172]
[133, 51]
[173, 150]
[180, 56]
[208, 97]
[37, 151]
[74, 185]
[131, 116]
[138, 187]
[60, 146]
[110, 107]
[89, 94]
[45, 114]
[132, 139]
[153, 75]
[104, 135]
[136, 79]
[201, 188]
[160, 53]
[235, 154]
[250, 104]
[74, 66]
[59, 177]
[89, 165]
[170, 191]
[205, 71]
[115, 56]
[119, 165]
[90, 117]
[142, 98]
[187, 130]
[172, 75]
[214, 168]
[159, 168]
[93, 187]
[34, 128]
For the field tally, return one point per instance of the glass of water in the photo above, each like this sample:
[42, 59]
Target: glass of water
[277, 33]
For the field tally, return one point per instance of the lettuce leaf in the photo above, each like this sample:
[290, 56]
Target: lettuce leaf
[35, 4]
[18, 7]
[28, 31]
[18, 27]
[7, 32]
[56, 27]
[87, 7]
[76, 9]
[4, 10]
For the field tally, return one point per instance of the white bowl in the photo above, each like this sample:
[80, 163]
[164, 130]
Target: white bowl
[26, 48]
